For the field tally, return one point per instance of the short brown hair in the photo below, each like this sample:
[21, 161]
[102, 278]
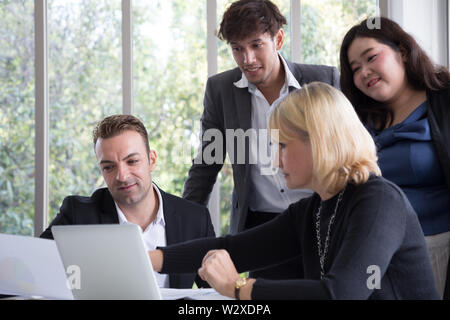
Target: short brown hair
[116, 124]
[247, 17]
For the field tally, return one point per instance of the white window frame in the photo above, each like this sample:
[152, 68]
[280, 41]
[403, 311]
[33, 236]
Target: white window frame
[41, 119]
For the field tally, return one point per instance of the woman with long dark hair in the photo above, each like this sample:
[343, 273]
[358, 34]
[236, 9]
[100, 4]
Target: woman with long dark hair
[404, 101]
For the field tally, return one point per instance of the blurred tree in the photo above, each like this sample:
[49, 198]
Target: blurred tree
[324, 24]
[16, 117]
[84, 86]
[170, 68]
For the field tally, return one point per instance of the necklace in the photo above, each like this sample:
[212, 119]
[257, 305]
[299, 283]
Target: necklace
[323, 252]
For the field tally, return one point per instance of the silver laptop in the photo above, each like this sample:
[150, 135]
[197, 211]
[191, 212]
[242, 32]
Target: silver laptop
[31, 267]
[106, 262]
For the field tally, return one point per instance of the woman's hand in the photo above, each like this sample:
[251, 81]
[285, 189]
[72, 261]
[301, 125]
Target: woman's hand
[219, 271]
[156, 257]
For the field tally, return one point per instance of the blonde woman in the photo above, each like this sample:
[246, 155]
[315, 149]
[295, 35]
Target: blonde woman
[350, 235]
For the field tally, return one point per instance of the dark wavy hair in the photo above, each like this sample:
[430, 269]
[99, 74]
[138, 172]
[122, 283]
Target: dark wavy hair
[247, 17]
[421, 73]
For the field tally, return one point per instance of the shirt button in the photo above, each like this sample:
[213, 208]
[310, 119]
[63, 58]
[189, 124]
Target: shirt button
[282, 190]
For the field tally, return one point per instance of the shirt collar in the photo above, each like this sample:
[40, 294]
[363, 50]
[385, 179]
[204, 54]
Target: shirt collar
[159, 215]
[290, 79]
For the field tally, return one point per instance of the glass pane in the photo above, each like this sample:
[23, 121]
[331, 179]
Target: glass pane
[324, 24]
[170, 76]
[17, 117]
[85, 79]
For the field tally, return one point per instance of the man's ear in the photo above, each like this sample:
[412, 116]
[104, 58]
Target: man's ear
[152, 157]
[279, 39]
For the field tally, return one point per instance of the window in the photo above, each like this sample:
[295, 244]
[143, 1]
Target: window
[324, 24]
[85, 85]
[170, 72]
[16, 117]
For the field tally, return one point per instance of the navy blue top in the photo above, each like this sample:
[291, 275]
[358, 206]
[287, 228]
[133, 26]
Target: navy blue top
[408, 158]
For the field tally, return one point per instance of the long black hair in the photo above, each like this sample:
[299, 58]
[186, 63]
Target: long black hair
[421, 73]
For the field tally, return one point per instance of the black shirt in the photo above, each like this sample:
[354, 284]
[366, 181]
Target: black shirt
[375, 228]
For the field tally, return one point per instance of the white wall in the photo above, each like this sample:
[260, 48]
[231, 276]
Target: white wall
[426, 20]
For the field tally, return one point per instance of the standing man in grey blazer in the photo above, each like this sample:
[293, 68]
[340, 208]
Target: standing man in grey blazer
[240, 101]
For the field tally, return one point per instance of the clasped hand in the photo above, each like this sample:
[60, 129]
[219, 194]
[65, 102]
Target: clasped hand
[219, 271]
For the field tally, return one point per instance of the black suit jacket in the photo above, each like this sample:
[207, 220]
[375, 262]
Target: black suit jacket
[185, 220]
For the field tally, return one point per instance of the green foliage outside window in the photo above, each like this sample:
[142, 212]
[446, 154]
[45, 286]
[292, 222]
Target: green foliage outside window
[170, 72]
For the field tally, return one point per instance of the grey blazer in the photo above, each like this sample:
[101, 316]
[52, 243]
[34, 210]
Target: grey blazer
[229, 107]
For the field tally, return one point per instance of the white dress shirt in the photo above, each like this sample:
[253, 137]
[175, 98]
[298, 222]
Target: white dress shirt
[269, 192]
[154, 235]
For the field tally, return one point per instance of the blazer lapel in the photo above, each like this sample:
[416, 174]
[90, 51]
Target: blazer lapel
[108, 212]
[295, 70]
[243, 107]
[173, 231]
[172, 221]
[243, 104]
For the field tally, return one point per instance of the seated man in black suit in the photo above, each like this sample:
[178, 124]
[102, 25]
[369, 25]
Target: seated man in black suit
[126, 162]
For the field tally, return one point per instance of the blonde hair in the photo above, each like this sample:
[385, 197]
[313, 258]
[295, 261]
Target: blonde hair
[342, 149]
